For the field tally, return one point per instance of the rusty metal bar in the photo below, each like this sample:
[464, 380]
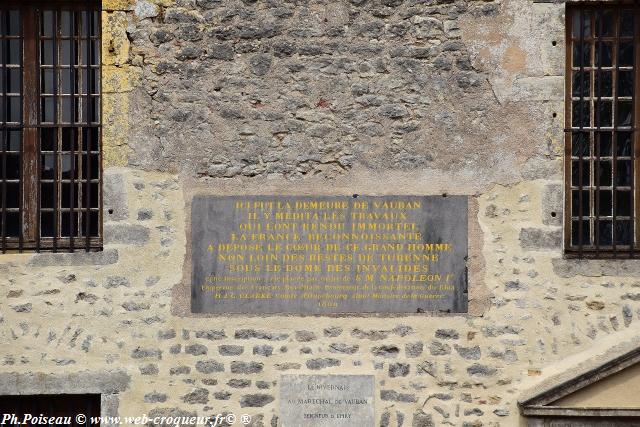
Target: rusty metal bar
[5, 52]
[74, 134]
[634, 108]
[24, 17]
[614, 123]
[596, 169]
[88, 117]
[580, 156]
[39, 131]
[57, 132]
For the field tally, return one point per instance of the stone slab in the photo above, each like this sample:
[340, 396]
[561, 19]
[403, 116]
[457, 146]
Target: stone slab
[327, 400]
[329, 254]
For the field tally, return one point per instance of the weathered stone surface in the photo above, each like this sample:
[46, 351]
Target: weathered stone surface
[167, 335]
[394, 396]
[211, 334]
[385, 351]
[399, 369]
[262, 335]
[246, 367]
[97, 382]
[255, 400]
[180, 370]
[327, 394]
[199, 395]
[332, 332]
[155, 397]
[437, 348]
[143, 353]
[421, 419]
[239, 383]
[106, 257]
[230, 350]
[263, 350]
[413, 349]
[552, 201]
[469, 353]
[447, 334]
[539, 239]
[196, 349]
[481, 370]
[125, 234]
[116, 281]
[595, 268]
[305, 336]
[115, 197]
[343, 348]
[209, 366]
[322, 363]
[150, 369]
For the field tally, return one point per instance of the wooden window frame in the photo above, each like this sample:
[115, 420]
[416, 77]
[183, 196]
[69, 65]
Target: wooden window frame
[620, 251]
[31, 125]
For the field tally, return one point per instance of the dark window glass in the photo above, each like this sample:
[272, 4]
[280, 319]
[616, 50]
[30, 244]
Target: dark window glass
[580, 146]
[603, 144]
[578, 238]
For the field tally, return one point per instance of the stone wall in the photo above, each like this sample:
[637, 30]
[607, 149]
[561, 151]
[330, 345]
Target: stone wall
[322, 97]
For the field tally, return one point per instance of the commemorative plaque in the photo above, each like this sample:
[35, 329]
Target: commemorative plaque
[327, 400]
[329, 255]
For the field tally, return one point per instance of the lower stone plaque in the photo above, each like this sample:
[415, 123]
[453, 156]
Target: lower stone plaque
[327, 400]
[329, 254]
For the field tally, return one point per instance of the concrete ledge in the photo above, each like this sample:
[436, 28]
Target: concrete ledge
[100, 382]
[109, 256]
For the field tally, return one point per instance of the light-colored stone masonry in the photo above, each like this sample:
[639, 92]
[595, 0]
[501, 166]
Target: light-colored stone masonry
[322, 97]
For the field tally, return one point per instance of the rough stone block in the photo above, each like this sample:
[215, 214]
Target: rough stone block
[246, 367]
[115, 197]
[552, 205]
[196, 349]
[394, 396]
[540, 239]
[413, 349]
[106, 257]
[343, 348]
[125, 234]
[230, 350]
[595, 268]
[316, 364]
[199, 395]
[97, 382]
[209, 366]
[398, 370]
[255, 400]
[263, 350]
[211, 334]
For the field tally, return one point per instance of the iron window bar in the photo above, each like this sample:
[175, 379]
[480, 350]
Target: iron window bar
[60, 196]
[600, 144]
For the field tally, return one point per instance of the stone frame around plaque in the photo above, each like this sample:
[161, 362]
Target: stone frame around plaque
[446, 215]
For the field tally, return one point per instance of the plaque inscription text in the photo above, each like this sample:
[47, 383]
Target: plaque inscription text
[331, 254]
[327, 400]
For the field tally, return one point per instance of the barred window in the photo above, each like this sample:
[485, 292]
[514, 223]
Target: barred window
[50, 126]
[601, 145]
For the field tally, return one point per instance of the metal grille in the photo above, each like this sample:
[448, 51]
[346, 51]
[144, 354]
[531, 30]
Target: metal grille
[55, 201]
[601, 142]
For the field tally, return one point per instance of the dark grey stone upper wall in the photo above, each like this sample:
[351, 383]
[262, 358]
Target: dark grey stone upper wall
[299, 88]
